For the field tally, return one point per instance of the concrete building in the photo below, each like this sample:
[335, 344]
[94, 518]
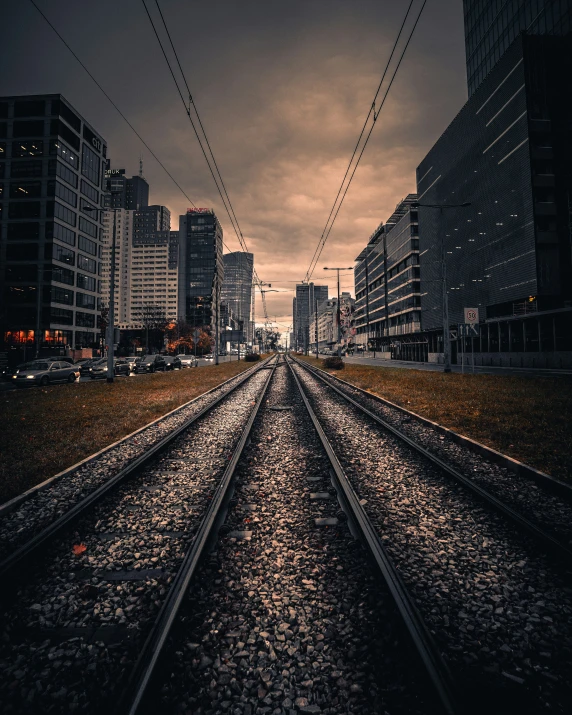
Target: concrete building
[201, 267]
[52, 165]
[388, 294]
[327, 323]
[308, 296]
[491, 26]
[508, 153]
[131, 194]
[237, 287]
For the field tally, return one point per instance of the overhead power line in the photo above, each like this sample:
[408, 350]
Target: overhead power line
[372, 112]
[116, 107]
[211, 162]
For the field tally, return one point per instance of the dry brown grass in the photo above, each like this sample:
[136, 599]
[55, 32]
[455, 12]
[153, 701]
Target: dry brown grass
[527, 418]
[45, 430]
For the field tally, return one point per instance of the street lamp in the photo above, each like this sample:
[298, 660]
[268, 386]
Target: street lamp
[338, 307]
[445, 297]
[111, 317]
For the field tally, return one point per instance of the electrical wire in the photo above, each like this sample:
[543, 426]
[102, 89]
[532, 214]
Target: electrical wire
[116, 107]
[326, 232]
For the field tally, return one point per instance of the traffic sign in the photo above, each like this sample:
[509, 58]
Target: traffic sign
[467, 330]
[471, 316]
[452, 334]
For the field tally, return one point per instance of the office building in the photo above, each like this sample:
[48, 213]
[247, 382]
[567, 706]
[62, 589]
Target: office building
[508, 152]
[52, 165]
[307, 296]
[201, 268]
[388, 296]
[131, 194]
[146, 267]
[491, 26]
[237, 287]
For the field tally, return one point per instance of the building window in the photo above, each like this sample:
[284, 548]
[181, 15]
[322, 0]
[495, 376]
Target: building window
[86, 245]
[58, 107]
[89, 191]
[85, 282]
[58, 337]
[85, 320]
[22, 252]
[61, 150]
[90, 164]
[87, 227]
[24, 209]
[25, 189]
[24, 169]
[29, 108]
[23, 231]
[62, 275]
[64, 255]
[35, 147]
[59, 128]
[85, 301]
[66, 174]
[61, 316]
[84, 339]
[28, 129]
[21, 273]
[86, 264]
[61, 295]
[63, 234]
[53, 208]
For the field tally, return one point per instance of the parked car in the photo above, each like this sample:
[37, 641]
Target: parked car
[172, 362]
[84, 368]
[151, 363]
[56, 358]
[132, 360]
[208, 356]
[187, 360]
[44, 372]
[120, 367]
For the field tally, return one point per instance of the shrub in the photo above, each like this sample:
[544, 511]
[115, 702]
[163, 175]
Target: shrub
[334, 363]
[251, 357]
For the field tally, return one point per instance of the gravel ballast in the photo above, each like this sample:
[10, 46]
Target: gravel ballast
[500, 611]
[286, 617]
[73, 630]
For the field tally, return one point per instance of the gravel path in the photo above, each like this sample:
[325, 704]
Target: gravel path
[500, 612]
[45, 506]
[539, 504]
[286, 617]
[72, 632]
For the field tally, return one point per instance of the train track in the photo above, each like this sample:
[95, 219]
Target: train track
[482, 576]
[94, 594]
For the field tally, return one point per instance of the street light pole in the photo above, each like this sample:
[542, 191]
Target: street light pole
[111, 317]
[445, 295]
[338, 307]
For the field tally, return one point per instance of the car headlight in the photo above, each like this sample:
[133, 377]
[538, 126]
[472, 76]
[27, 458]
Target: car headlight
[30, 377]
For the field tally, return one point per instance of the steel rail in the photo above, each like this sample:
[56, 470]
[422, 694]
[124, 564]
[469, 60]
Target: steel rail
[32, 547]
[132, 698]
[435, 667]
[559, 549]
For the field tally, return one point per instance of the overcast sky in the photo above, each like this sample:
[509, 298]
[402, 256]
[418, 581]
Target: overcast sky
[283, 88]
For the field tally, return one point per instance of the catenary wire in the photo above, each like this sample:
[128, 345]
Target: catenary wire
[326, 234]
[371, 109]
[116, 107]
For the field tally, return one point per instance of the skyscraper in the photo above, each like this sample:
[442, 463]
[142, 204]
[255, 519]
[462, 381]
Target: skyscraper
[131, 194]
[307, 295]
[201, 268]
[237, 286]
[52, 162]
[492, 25]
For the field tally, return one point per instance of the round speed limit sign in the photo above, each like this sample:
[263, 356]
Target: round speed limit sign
[471, 315]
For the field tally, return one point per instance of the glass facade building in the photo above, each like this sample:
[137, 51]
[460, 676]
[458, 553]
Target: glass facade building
[201, 268]
[131, 194]
[237, 287]
[492, 25]
[308, 296]
[52, 193]
[508, 152]
[388, 296]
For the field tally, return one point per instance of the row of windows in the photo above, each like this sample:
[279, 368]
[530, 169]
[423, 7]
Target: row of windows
[66, 297]
[62, 316]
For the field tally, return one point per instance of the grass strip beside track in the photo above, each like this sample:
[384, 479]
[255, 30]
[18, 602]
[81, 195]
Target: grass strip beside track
[45, 430]
[526, 418]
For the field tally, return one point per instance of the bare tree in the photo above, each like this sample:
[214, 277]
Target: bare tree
[153, 318]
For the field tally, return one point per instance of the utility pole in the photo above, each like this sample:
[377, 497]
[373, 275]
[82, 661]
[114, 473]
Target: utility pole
[316, 302]
[111, 318]
[339, 316]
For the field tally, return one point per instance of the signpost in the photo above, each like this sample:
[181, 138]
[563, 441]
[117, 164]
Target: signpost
[471, 329]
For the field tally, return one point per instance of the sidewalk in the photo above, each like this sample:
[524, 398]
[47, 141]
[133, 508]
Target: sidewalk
[430, 366]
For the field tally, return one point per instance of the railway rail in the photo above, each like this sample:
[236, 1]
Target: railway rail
[93, 595]
[487, 586]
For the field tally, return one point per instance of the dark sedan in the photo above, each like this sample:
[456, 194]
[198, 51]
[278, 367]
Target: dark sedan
[172, 362]
[120, 367]
[42, 372]
[151, 363]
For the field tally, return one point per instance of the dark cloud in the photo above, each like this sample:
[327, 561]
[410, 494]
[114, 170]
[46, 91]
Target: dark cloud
[283, 89]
